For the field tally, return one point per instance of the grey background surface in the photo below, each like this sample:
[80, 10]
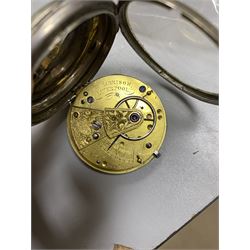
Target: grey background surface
[76, 207]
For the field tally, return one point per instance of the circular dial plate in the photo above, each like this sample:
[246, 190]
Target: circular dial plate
[116, 124]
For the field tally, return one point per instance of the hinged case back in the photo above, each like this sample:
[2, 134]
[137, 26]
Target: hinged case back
[186, 43]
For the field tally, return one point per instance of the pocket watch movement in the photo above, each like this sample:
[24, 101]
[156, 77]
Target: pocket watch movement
[116, 124]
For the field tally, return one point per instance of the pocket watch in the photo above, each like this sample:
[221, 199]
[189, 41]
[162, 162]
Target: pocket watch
[116, 124]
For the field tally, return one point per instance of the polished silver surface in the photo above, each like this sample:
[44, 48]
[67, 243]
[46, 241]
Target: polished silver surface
[69, 44]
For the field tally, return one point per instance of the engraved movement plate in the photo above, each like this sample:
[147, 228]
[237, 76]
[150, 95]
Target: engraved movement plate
[117, 124]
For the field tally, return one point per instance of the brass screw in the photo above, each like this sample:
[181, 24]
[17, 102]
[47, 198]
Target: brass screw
[75, 114]
[95, 136]
[139, 160]
[148, 145]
